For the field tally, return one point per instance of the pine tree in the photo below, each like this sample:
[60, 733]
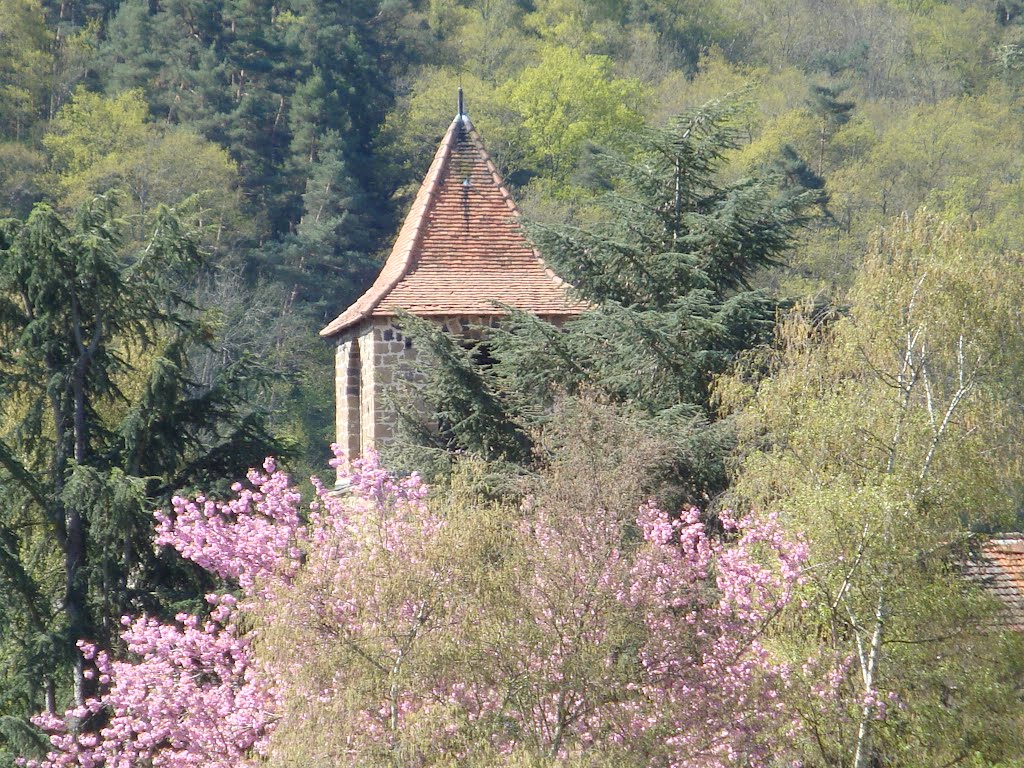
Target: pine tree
[100, 417]
[832, 112]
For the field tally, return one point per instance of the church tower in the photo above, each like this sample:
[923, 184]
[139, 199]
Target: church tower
[460, 251]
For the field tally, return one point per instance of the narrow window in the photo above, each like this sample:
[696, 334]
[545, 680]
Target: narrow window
[353, 401]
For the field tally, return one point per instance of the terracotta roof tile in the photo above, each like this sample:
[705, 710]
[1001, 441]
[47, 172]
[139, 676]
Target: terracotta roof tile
[461, 248]
[1000, 569]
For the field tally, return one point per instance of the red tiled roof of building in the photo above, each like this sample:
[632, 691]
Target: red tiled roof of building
[1000, 570]
[461, 248]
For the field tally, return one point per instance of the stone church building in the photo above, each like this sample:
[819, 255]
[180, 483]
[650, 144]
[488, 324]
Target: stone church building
[460, 252]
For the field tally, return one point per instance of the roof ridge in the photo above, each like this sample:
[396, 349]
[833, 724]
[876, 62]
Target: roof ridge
[509, 200]
[428, 190]
[412, 230]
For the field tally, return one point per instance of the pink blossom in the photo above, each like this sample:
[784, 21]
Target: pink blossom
[694, 686]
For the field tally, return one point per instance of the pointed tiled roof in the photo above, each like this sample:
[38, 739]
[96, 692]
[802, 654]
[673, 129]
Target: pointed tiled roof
[461, 248]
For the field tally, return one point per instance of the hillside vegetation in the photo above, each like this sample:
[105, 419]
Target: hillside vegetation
[799, 224]
[291, 135]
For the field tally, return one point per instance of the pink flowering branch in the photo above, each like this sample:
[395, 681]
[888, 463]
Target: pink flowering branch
[190, 698]
[600, 640]
[191, 693]
[252, 539]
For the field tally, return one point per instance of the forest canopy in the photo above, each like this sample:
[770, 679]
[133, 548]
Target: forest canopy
[799, 224]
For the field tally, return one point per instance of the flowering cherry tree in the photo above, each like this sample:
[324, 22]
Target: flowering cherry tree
[191, 694]
[432, 635]
[401, 629]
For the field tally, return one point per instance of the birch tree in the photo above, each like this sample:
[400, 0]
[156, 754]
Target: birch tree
[887, 430]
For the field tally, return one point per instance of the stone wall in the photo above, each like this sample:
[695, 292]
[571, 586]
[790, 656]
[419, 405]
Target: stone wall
[348, 376]
[374, 365]
[371, 367]
[393, 370]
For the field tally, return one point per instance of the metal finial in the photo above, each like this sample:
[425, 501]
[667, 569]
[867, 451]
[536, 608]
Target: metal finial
[462, 107]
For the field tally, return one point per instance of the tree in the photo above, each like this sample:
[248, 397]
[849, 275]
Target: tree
[100, 417]
[104, 144]
[831, 112]
[25, 64]
[920, 157]
[270, 84]
[217, 67]
[192, 694]
[665, 267]
[22, 171]
[567, 99]
[887, 431]
[440, 633]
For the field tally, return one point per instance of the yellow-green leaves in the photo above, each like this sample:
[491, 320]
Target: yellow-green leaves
[25, 65]
[865, 392]
[537, 120]
[567, 99]
[888, 428]
[92, 129]
[100, 144]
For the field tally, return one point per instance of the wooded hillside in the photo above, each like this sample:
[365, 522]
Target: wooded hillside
[291, 134]
[799, 223]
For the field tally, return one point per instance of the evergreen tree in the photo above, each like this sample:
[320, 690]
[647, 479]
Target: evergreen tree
[666, 271]
[275, 84]
[327, 257]
[798, 177]
[25, 63]
[831, 112]
[100, 418]
[471, 410]
[296, 93]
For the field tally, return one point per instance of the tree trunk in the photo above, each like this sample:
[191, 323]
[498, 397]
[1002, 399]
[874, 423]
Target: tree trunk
[860, 759]
[76, 590]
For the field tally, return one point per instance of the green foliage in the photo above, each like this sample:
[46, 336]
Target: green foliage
[292, 134]
[665, 272]
[567, 99]
[468, 410]
[101, 420]
[91, 128]
[25, 66]
[100, 144]
[831, 112]
[21, 178]
[885, 433]
[920, 158]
